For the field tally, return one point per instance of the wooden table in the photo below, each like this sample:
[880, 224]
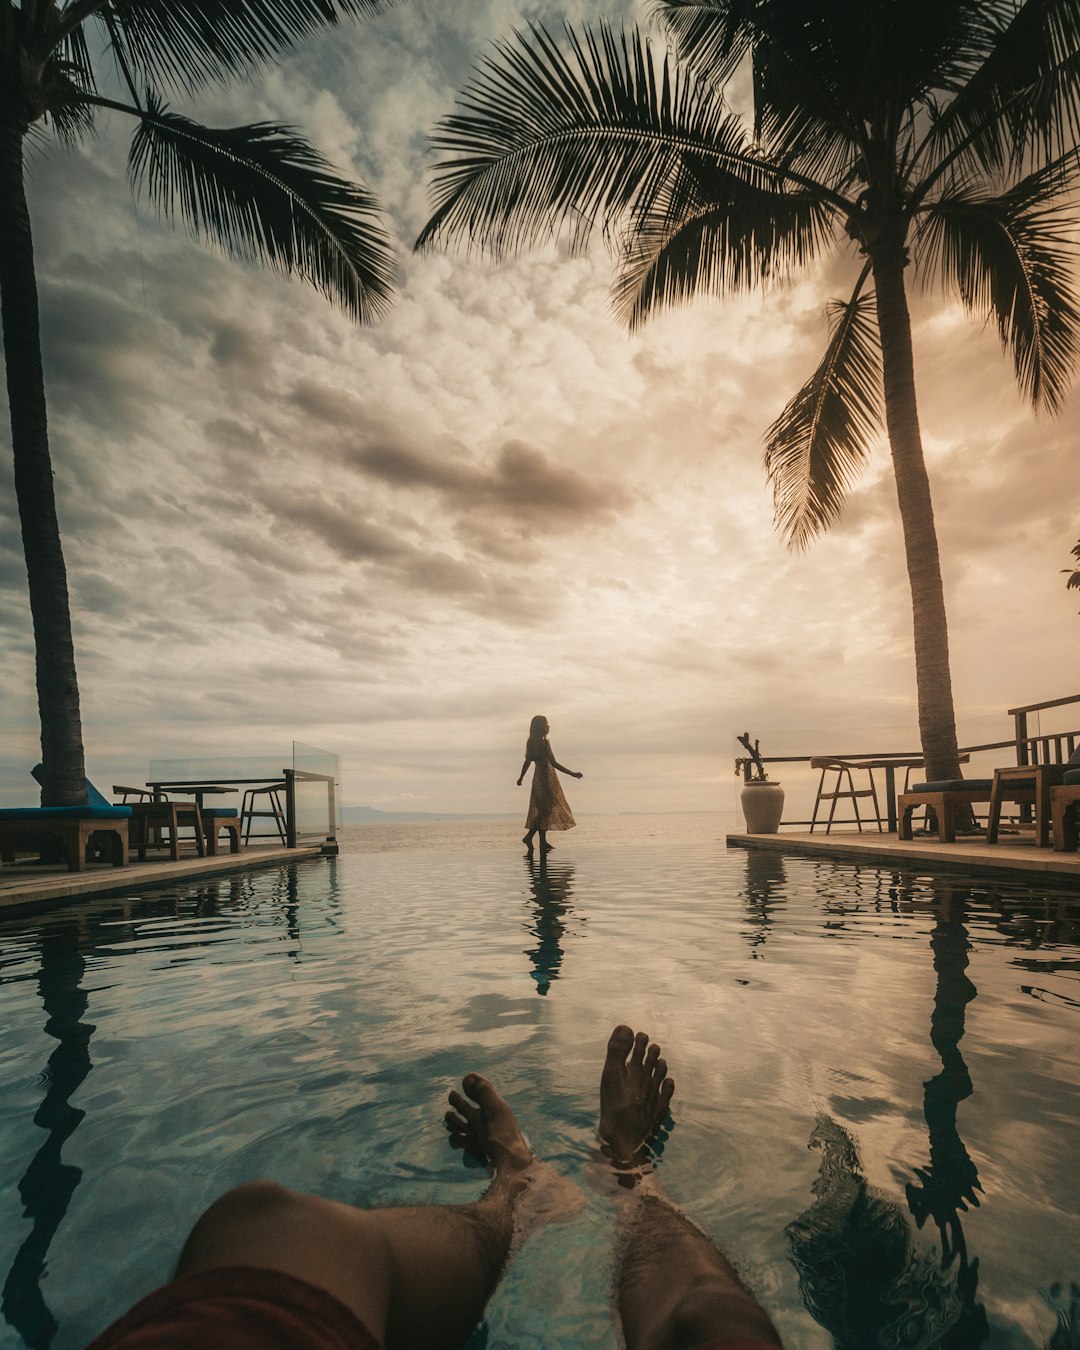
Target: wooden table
[196, 790]
[890, 766]
[1044, 777]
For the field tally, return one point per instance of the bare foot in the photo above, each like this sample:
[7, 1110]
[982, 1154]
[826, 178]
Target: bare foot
[635, 1093]
[483, 1124]
[489, 1131]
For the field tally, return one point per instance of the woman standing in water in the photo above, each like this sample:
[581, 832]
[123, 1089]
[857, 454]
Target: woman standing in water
[548, 808]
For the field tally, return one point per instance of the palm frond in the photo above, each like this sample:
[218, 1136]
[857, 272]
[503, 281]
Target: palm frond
[544, 139]
[819, 444]
[263, 192]
[69, 80]
[699, 236]
[1013, 258]
[184, 47]
[713, 36]
[1021, 100]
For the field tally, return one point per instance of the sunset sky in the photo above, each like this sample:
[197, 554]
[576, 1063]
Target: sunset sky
[400, 543]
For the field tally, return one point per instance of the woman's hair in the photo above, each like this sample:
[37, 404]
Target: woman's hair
[538, 728]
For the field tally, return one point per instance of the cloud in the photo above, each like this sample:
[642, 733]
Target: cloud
[522, 483]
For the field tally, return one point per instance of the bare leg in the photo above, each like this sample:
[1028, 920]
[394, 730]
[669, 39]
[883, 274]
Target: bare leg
[675, 1288]
[417, 1276]
[545, 847]
[528, 838]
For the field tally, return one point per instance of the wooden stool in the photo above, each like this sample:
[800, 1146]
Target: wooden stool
[842, 768]
[216, 819]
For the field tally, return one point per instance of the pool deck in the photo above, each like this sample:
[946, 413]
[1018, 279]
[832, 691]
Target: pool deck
[25, 887]
[970, 855]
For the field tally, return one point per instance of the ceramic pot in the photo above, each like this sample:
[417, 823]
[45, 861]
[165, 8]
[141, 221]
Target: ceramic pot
[762, 806]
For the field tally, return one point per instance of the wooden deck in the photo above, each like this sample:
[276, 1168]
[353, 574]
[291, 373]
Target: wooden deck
[1006, 858]
[30, 886]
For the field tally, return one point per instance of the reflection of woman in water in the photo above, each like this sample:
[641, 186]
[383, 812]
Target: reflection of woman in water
[548, 808]
[550, 884]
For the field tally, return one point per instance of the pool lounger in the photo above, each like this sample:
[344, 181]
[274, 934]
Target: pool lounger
[72, 825]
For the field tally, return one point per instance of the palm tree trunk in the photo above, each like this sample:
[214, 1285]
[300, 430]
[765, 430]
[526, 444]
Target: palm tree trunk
[937, 720]
[57, 686]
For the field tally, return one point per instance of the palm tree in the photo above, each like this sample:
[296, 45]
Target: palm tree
[936, 137]
[260, 192]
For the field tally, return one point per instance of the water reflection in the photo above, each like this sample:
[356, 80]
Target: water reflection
[550, 884]
[62, 944]
[1065, 1305]
[950, 1181]
[48, 1183]
[860, 1274]
[764, 894]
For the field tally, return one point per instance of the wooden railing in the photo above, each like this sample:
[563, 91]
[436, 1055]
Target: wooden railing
[1028, 747]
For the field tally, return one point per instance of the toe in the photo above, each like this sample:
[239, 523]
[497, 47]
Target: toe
[659, 1067]
[481, 1091]
[651, 1056]
[667, 1091]
[463, 1106]
[620, 1042]
[641, 1041]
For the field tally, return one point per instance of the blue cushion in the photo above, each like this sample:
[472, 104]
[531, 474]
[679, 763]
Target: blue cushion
[219, 813]
[1072, 776]
[93, 796]
[954, 785]
[32, 813]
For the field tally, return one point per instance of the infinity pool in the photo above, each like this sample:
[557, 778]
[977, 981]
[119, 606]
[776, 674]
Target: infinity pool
[877, 1079]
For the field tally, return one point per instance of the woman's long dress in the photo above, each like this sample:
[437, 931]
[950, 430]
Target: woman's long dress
[548, 808]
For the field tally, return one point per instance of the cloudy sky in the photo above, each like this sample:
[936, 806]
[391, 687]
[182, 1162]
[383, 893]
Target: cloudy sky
[399, 543]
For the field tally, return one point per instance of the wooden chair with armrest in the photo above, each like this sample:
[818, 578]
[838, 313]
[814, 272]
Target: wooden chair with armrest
[152, 817]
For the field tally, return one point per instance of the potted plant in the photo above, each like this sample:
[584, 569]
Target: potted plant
[762, 801]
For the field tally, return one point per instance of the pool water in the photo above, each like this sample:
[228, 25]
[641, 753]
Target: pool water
[877, 1083]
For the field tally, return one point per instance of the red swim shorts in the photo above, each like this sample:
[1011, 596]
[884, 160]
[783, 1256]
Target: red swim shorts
[238, 1308]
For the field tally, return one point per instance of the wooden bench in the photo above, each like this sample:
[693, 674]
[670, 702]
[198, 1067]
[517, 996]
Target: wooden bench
[945, 801]
[72, 826]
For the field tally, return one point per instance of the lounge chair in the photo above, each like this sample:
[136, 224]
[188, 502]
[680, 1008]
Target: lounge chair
[76, 828]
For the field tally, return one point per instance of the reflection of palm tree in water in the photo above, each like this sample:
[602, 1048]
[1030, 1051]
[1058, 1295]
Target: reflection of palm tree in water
[860, 1274]
[550, 883]
[48, 1184]
[950, 1182]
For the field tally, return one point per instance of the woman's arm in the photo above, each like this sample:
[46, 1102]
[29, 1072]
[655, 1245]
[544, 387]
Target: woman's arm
[562, 767]
[524, 766]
